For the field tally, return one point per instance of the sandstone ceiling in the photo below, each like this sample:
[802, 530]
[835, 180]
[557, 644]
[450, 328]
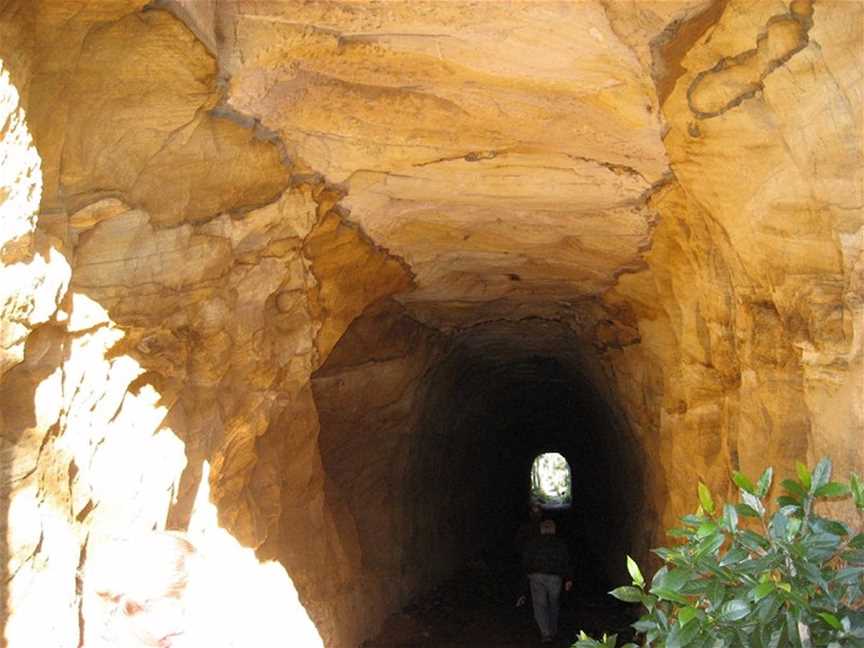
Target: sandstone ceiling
[503, 151]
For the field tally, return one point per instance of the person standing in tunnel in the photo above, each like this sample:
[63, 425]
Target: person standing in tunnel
[546, 560]
[529, 528]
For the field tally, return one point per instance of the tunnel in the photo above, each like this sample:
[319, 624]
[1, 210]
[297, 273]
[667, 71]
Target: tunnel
[429, 442]
[307, 286]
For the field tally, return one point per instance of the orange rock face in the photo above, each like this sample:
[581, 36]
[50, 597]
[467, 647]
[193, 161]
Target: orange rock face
[274, 273]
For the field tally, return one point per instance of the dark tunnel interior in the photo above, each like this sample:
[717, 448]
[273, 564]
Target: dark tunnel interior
[500, 405]
[429, 440]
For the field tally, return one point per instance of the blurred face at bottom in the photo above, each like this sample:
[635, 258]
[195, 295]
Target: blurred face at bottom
[154, 624]
[134, 593]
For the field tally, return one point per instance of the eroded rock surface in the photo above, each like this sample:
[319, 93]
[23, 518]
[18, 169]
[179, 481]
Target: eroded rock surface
[752, 296]
[241, 241]
[496, 168]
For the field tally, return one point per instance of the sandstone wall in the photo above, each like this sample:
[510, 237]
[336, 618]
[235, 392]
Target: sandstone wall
[750, 311]
[370, 395]
[161, 319]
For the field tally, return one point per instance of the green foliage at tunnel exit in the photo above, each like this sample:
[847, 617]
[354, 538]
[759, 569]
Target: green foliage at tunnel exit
[747, 577]
[551, 481]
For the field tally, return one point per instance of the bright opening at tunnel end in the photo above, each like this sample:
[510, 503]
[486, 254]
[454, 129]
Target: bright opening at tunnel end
[550, 481]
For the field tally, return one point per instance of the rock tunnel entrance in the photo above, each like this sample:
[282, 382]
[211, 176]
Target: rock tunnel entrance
[428, 440]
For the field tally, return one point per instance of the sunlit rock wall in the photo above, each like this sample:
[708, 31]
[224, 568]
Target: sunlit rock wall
[165, 297]
[750, 312]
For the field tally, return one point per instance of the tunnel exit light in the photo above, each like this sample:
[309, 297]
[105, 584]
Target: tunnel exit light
[550, 481]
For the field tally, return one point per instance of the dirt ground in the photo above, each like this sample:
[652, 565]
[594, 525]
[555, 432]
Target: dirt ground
[478, 608]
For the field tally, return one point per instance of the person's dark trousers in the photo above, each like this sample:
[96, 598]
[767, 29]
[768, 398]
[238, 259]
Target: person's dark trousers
[545, 596]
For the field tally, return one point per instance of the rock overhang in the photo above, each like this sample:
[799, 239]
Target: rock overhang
[510, 167]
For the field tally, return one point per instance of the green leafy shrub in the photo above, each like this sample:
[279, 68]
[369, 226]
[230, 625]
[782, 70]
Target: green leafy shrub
[788, 578]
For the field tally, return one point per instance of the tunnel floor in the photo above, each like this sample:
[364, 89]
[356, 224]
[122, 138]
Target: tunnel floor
[478, 608]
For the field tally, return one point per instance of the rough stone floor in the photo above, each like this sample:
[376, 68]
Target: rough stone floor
[477, 608]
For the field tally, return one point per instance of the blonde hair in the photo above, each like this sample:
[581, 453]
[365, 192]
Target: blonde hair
[144, 567]
[135, 574]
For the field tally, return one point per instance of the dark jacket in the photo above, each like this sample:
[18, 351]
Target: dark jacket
[546, 554]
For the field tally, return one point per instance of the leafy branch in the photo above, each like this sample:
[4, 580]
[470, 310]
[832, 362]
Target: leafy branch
[790, 578]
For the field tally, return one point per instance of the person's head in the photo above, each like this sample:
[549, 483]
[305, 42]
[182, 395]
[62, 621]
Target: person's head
[547, 527]
[536, 511]
[136, 588]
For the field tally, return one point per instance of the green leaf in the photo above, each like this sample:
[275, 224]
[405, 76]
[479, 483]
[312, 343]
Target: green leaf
[687, 614]
[819, 546]
[627, 594]
[762, 590]
[666, 554]
[779, 524]
[746, 511]
[753, 502]
[672, 580]
[792, 628]
[773, 639]
[832, 489]
[764, 483]
[752, 541]
[708, 528]
[670, 595]
[857, 490]
[734, 556]
[824, 525]
[803, 475]
[659, 575]
[854, 556]
[794, 487]
[649, 601]
[716, 594]
[730, 518]
[709, 545]
[848, 574]
[679, 533]
[768, 607]
[693, 520]
[793, 528]
[821, 473]
[635, 574]
[786, 500]
[812, 573]
[742, 482]
[733, 610]
[831, 620]
[643, 625]
[682, 636]
[705, 498]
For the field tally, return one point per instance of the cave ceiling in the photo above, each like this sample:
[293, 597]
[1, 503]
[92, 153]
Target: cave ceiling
[503, 151]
